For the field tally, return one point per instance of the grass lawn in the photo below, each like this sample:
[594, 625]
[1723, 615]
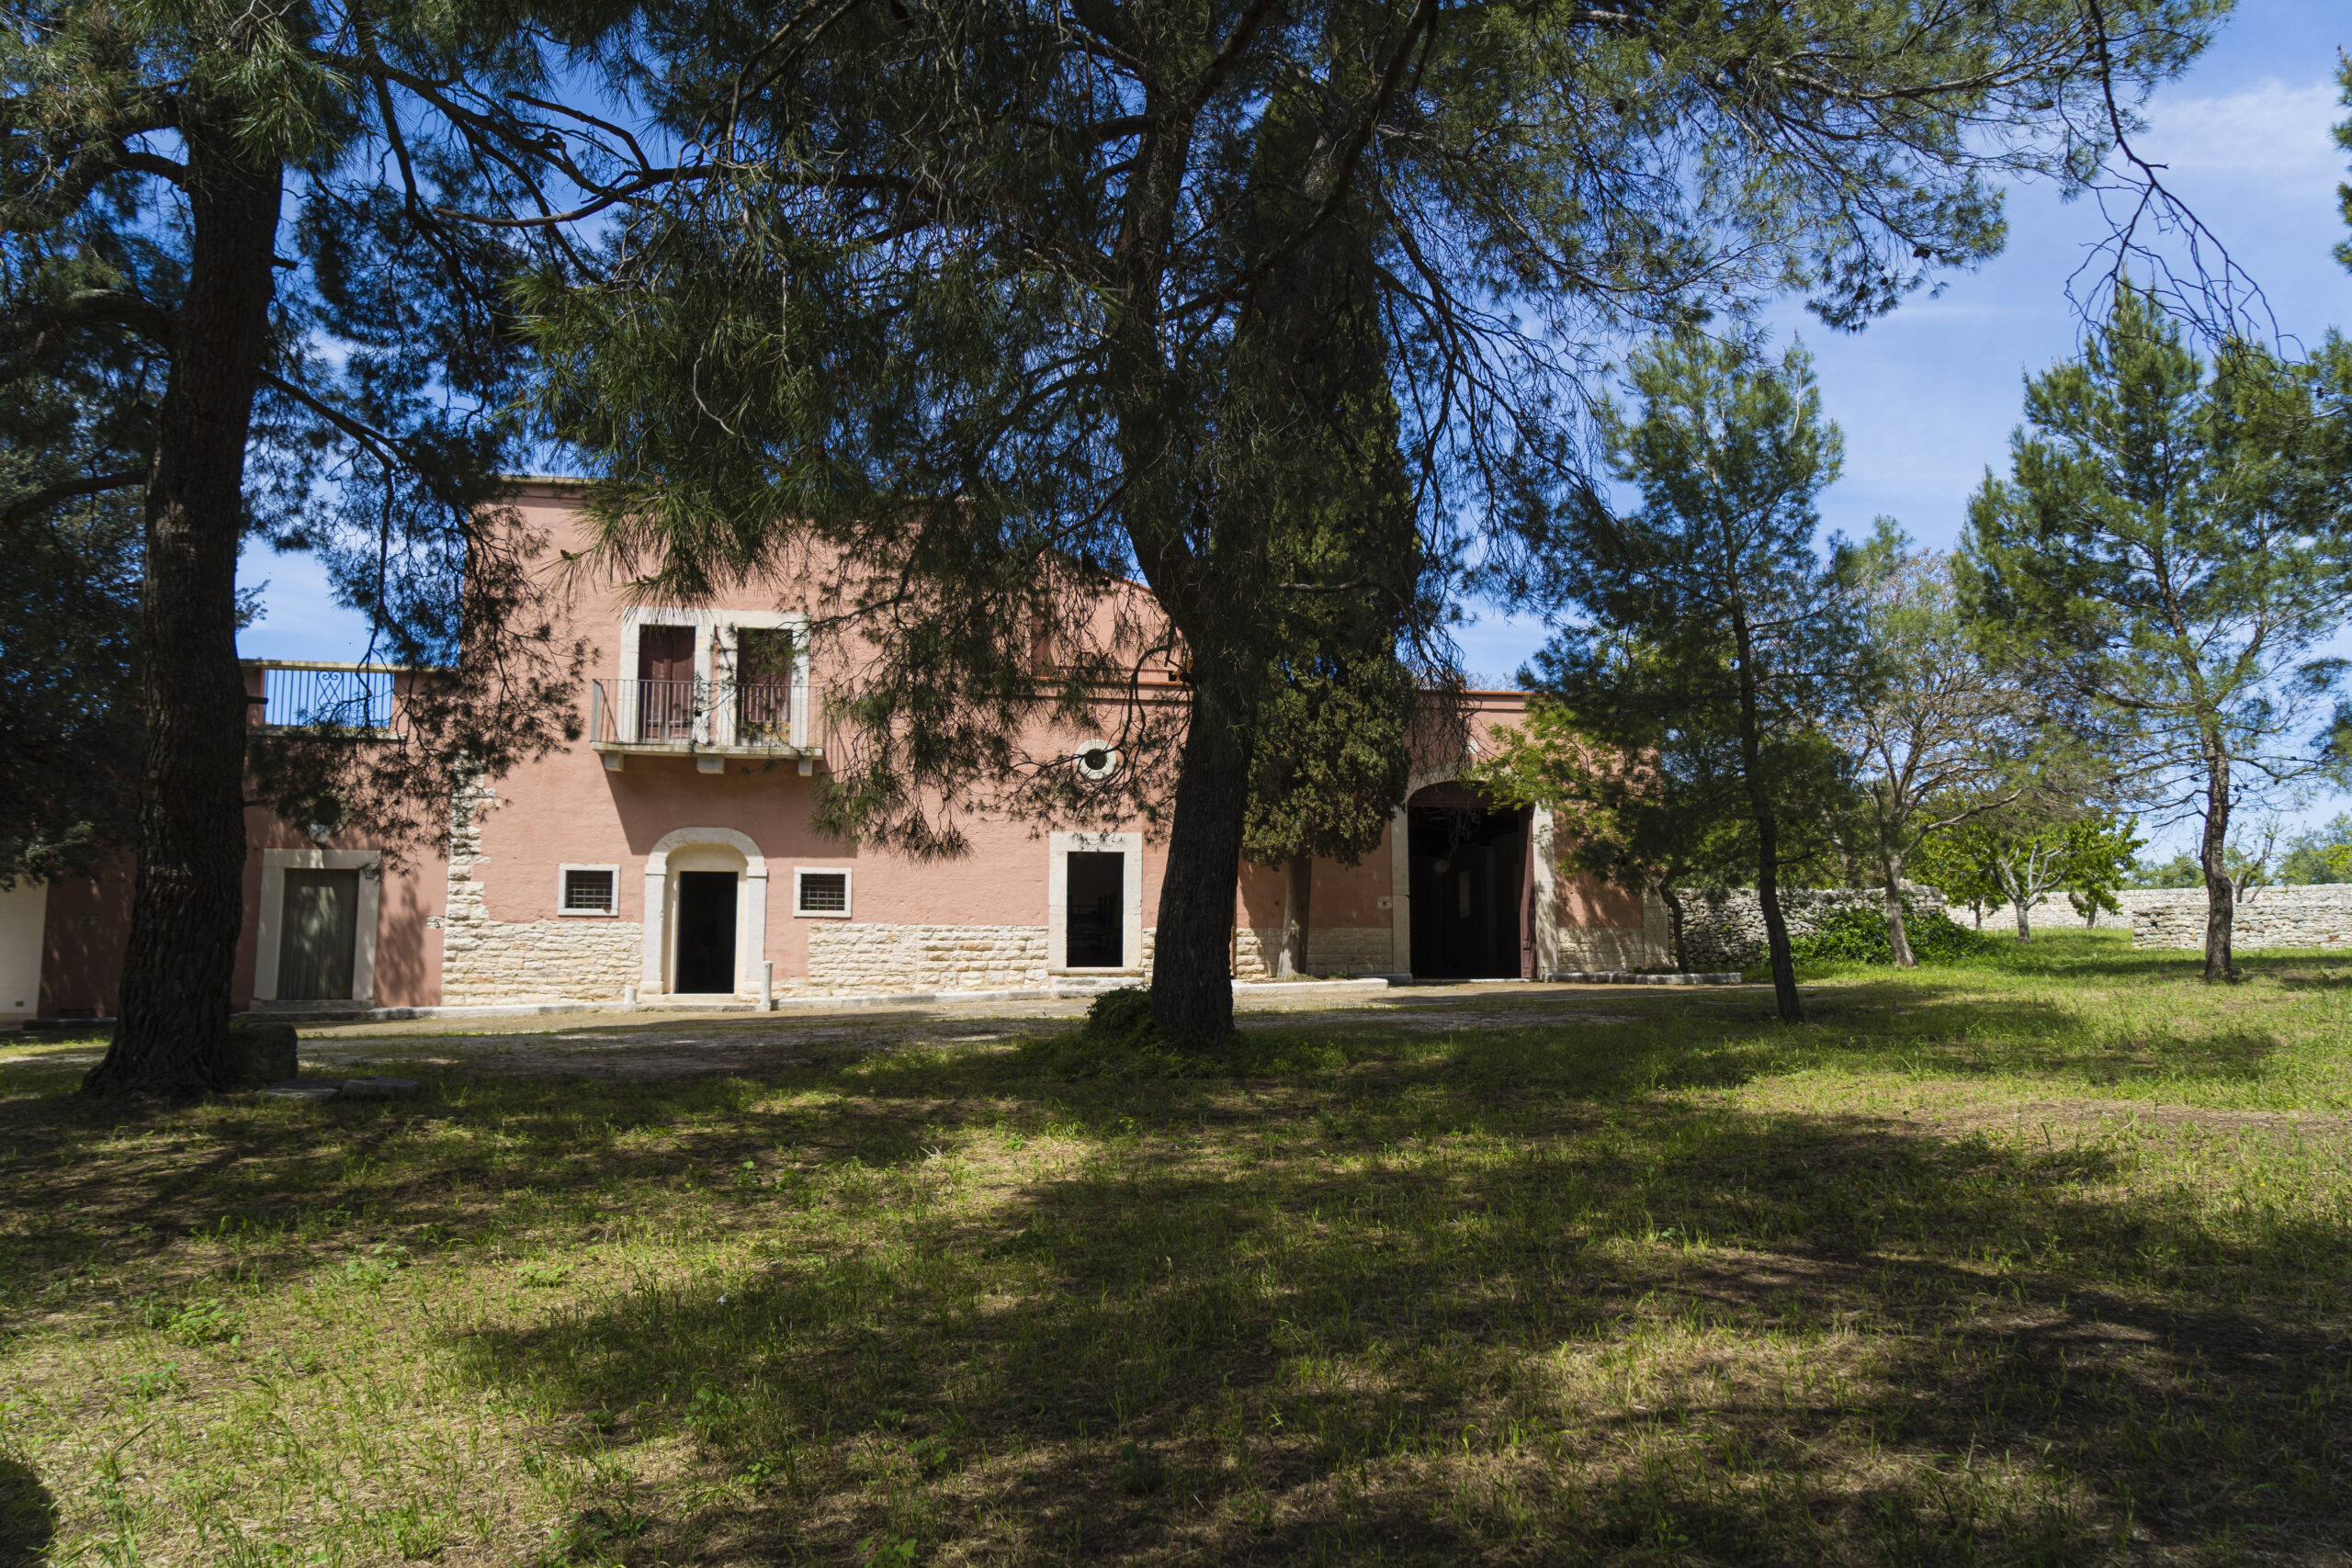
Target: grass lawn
[2042, 1259]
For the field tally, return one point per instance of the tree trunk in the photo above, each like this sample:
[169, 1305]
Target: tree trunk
[1898, 935]
[1192, 989]
[187, 902]
[1768, 831]
[2025, 926]
[1298, 891]
[2221, 893]
[1675, 949]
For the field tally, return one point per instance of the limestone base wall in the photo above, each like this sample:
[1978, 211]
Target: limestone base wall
[1589, 948]
[1331, 949]
[849, 956]
[485, 961]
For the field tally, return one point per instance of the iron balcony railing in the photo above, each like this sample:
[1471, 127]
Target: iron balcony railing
[735, 716]
[297, 694]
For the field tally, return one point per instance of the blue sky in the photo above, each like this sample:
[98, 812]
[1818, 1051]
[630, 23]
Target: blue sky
[1927, 397]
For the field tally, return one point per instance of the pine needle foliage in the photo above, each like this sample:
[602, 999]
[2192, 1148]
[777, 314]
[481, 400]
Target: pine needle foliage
[959, 316]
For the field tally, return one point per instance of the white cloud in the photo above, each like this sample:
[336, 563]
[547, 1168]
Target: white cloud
[2275, 133]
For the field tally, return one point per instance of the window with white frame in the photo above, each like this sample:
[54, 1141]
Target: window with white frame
[822, 893]
[589, 890]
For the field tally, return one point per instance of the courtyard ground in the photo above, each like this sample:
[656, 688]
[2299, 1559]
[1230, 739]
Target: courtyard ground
[2042, 1259]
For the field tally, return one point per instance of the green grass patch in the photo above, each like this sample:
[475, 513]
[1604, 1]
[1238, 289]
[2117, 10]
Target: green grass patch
[2039, 1258]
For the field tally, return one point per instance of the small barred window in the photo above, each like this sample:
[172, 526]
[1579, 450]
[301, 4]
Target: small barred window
[824, 892]
[587, 890]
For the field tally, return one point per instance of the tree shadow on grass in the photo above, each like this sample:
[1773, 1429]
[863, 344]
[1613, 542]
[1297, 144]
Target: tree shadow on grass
[1672, 1336]
[27, 1515]
[269, 1170]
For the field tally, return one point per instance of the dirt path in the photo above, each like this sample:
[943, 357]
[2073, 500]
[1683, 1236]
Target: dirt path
[672, 1044]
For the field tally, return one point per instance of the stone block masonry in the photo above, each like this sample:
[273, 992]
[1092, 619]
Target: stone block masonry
[849, 957]
[1336, 950]
[485, 961]
[845, 955]
[1604, 948]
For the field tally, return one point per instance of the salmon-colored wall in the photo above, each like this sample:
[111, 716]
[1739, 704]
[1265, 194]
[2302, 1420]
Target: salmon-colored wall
[1341, 894]
[414, 891]
[88, 924]
[82, 941]
[1584, 900]
[567, 808]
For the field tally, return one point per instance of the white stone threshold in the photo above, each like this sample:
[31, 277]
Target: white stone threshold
[1627, 977]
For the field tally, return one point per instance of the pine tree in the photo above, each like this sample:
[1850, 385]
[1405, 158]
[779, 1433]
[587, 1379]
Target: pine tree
[238, 214]
[2174, 546]
[1746, 629]
[1331, 749]
[961, 315]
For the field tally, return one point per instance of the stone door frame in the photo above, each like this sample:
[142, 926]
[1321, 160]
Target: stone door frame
[750, 910]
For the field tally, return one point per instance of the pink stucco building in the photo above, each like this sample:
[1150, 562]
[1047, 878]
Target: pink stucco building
[671, 854]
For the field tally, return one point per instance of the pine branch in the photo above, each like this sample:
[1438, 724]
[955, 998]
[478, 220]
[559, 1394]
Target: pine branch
[35, 502]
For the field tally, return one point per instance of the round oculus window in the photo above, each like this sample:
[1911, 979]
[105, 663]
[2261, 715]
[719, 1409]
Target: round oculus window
[1096, 759]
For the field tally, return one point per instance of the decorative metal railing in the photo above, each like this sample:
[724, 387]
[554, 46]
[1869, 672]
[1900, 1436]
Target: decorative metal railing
[346, 696]
[720, 714]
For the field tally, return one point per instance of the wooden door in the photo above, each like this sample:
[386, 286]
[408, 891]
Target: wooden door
[665, 683]
[764, 659]
[319, 921]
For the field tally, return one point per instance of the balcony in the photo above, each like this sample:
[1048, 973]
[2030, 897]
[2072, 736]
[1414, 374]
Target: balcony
[710, 720]
[304, 694]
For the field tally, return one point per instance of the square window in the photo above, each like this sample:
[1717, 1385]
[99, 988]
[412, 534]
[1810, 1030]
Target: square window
[590, 889]
[820, 893]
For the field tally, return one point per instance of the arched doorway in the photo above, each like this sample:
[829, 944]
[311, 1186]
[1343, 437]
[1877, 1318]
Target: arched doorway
[705, 913]
[1472, 887]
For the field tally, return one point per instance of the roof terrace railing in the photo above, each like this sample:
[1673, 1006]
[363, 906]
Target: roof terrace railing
[298, 694]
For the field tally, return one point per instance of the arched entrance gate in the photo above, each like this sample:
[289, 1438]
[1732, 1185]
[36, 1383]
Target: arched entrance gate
[1473, 886]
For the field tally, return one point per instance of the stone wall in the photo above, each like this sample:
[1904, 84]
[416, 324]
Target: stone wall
[851, 956]
[2267, 917]
[1584, 949]
[1723, 928]
[1335, 949]
[848, 955]
[583, 959]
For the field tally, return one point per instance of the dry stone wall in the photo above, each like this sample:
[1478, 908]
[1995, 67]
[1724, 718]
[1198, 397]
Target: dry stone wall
[2267, 917]
[1723, 928]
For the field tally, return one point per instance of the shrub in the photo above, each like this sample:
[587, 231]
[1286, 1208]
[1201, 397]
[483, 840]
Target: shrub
[1936, 937]
[1857, 934]
[1121, 1019]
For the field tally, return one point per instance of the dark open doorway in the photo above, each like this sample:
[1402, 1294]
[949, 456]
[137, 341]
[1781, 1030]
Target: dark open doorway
[1097, 911]
[705, 932]
[1470, 914]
